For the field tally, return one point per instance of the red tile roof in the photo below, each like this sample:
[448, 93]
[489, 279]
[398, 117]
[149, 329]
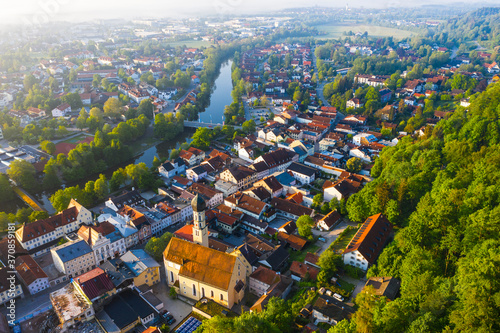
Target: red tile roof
[29, 270]
[95, 283]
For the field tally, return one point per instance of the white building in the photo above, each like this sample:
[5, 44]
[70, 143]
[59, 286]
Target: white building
[365, 247]
[61, 111]
[32, 275]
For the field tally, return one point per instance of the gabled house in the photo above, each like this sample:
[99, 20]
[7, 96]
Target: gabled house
[365, 247]
[130, 198]
[329, 221]
[330, 310]
[31, 274]
[170, 169]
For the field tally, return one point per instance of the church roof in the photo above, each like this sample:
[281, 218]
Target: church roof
[198, 204]
[200, 263]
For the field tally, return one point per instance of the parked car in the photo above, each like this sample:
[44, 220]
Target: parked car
[321, 239]
[338, 296]
[167, 317]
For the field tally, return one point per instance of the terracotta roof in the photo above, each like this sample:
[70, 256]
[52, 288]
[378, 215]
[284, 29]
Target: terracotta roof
[186, 232]
[95, 283]
[301, 269]
[371, 237]
[226, 219]
[290, 207]
[265, 275]
[41, 227]
[246, 202]
[136, 217]
[204, 190]
[295, 242]
[200, 263]
[312, 259]
[29, 270]
[258, 244]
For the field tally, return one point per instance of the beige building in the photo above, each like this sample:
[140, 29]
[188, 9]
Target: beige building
[197, 271]
[40, 236]
[73, 258]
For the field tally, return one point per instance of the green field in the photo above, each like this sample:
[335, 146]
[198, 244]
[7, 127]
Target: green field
[337, 30]
[190, 43]
[75, 139]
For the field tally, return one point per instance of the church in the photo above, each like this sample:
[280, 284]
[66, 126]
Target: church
[197, 271]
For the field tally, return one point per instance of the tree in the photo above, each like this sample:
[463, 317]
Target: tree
[117, 179]
[73, 99]
[248, 126]
[304, 225]
[36, 215]
[146, 108]
[113, 107]
[156, 245]
[174, 154]
[354, 164]
[48, 147]
[23, 173]
[318, 199]
[101, 189]
[96, 113]
[6, 192]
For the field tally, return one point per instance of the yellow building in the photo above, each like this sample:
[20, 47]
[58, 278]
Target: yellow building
[145, 269]
[197, 271]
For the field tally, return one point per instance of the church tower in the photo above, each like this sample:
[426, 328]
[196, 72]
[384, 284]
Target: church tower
[200, 229]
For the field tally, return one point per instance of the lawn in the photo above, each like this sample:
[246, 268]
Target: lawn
[301, 255]
[346, 286]
[190, 43]
[343, 240]
[337, 30]
[75, 139]
[214, 309]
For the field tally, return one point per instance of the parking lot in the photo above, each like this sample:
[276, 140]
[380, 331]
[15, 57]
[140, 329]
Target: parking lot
[176, 307]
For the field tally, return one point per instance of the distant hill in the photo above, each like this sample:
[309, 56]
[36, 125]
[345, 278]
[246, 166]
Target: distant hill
[483, 24]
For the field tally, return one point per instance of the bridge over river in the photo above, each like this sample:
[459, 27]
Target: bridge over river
[196, 124]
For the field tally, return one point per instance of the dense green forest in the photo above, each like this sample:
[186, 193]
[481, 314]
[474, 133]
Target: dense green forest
[441, 191]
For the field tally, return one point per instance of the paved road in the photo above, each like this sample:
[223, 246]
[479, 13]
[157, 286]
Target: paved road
[320, 85]
[329, 236]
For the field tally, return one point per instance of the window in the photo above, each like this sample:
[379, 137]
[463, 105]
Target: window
[194, 290]
[212, 293]
[202, 292]
[221, 297]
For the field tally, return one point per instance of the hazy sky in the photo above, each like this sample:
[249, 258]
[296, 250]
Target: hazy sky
[37, 11]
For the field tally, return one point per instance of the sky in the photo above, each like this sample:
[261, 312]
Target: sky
[40, 11]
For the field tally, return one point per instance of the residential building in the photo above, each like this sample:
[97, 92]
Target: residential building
[129, 198]
[138, 220]
[73, 258]
[196, 173]
[144, 268]
[246, 204]
[171, 169]
[300, 271]
[302, 173]
[61, 111]
[365, 247]
[212, 197]
[289, 209]
[385, 286]
[96, 284]
[242, 176]
[31, 274]
[272, 185]
[329, 221]
[8, 280]
[104, 239]
[330, 310]
[126, 310]
[40, 236]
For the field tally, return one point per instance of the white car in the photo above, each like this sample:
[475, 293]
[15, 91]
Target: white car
[338, 296]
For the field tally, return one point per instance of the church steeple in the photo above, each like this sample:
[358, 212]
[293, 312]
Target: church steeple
[200, 230]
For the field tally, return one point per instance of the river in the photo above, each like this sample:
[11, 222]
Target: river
[220, 97]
